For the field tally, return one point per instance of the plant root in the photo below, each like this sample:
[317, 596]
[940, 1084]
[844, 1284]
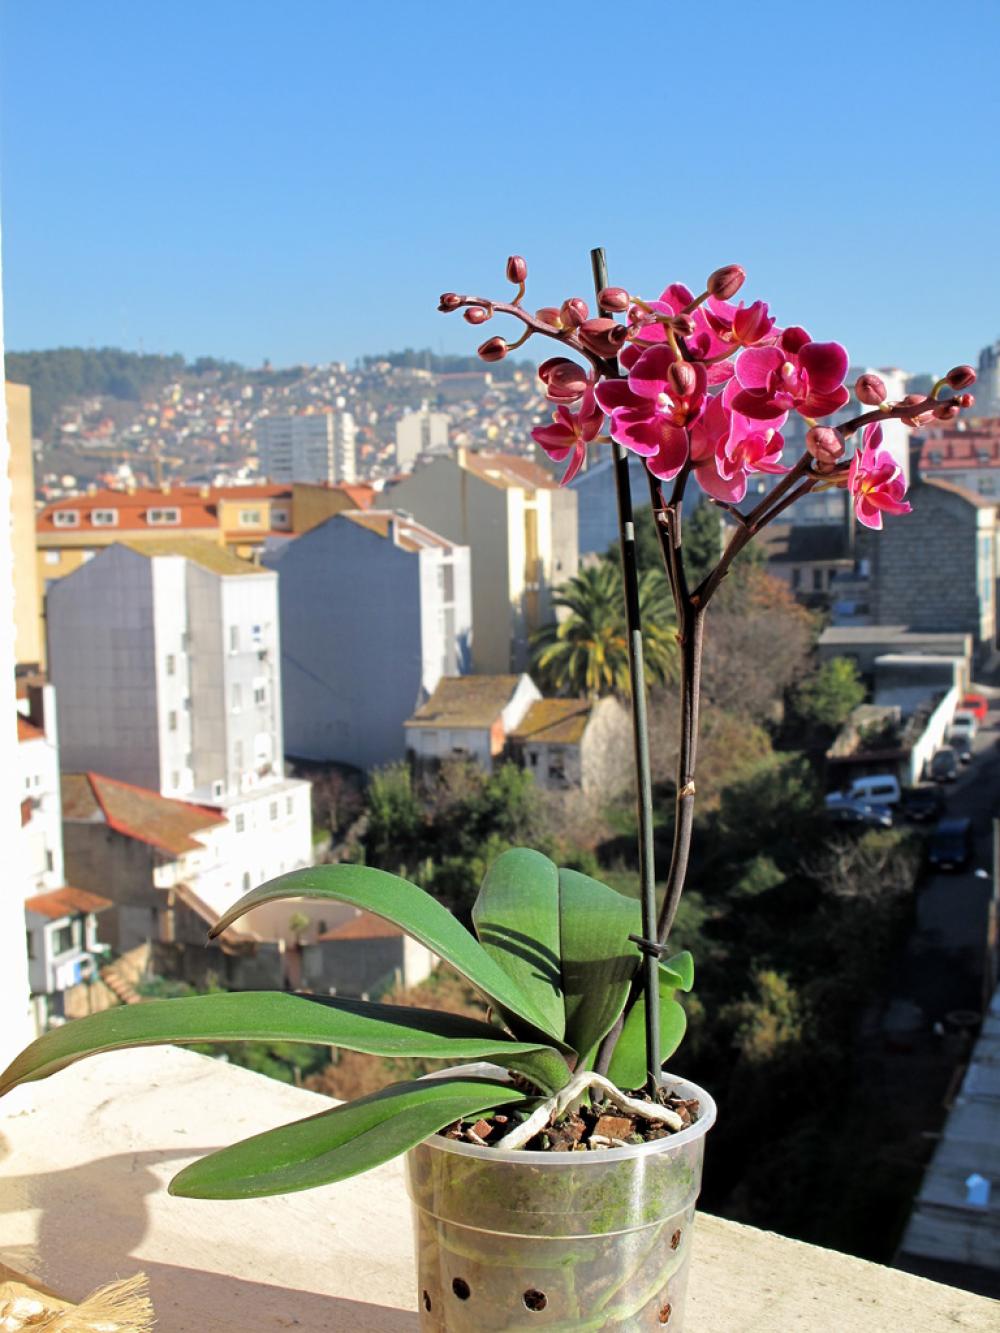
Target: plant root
[574, 1089]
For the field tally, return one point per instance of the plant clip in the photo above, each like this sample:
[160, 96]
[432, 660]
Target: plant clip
[651, 948]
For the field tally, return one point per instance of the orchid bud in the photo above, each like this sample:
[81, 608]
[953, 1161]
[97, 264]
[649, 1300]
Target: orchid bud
[517, 269]
[573, 312]
[966, 400]
[726, 282]
[825, 444]
[960, 377]
[613, 298]
[682, 378]
[916, 418]
[493, 349]
[948, 410]
[449, 301]
[476, 314]
[564, 380]
[549, 315]
[603, 337]
[682, 325]
[870, 390]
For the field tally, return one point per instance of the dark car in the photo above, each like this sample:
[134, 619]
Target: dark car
[950, 844]
[962, 745]
[845, 811]
[944, 765]
[922, 804]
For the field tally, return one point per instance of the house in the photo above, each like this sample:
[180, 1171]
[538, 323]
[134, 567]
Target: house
[521, 529]
[865, 644]
[808, 557]
[395, 616]
[574, 743]
[63, 946]
[936, 570]
[469, 717]
[364, 956]
[966, 454]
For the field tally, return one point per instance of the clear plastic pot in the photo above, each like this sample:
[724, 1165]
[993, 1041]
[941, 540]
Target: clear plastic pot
[567, 1241]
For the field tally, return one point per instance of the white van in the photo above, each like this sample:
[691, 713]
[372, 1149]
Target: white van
[877, 789]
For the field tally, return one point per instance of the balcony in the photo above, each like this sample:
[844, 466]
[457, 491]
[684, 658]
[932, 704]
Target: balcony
[83, 1178]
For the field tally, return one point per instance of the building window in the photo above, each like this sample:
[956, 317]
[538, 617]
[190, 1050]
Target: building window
[985, 485]
[171, 721]
[171, 664]
[238, 754]
[66, 518]
[817, 580]
[31, 943]
[62, 939]
[52, 557]
[288, 805]
[274, 810]
[260, 695]
[251, 518]
[241, 823]
[236, 696]
[163, 516]
[446, 582]
[175, 780]
[104, 518]
[279, 517]
[246, 882]
[234, 638]
[50, 860]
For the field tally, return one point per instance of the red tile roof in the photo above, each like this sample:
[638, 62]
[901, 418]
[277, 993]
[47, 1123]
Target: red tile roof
[66, 901]
[365, 926]
[135, 812]
[953, 450]
[27, 731]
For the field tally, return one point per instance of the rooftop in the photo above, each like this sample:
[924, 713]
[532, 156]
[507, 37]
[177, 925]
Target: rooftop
[103, 1138]
[465, 701]
[508, 471]
[66, 901]
[970, 497]
[27, 731]
[364, 926]
[207, 555]
[136, 813]
[554, 721]
[410, 536]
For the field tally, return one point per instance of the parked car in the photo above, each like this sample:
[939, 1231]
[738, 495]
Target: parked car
[923, 803]
[944, 765]
[961, 743]
[976, 703]
[841, 810]
[874, 789]
[965, 721]
[950, 845]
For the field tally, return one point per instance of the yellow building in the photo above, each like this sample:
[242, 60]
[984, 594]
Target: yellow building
[27, 626]
[241, 518]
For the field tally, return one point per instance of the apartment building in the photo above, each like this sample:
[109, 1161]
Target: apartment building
[314, 447]
[27, 629]
[521, 530]
[166, 659]
[375, 609]
[420, 433]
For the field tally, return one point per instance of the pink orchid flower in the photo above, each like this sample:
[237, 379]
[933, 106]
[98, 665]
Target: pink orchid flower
[740, 325]
[570, 434]
[798, 374]
[726, 447]
[651, 410]
[701, 344]
[876, 481]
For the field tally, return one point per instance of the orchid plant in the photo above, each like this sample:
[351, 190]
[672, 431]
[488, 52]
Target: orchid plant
[581, 991]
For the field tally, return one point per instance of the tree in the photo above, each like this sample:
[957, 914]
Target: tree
[586, 653]
[827, 697]
[396, 824]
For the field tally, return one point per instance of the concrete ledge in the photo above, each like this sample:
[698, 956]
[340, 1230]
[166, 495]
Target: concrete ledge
[83, 1200]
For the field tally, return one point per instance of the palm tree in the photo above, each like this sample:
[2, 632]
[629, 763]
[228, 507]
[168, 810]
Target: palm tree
[586, 651]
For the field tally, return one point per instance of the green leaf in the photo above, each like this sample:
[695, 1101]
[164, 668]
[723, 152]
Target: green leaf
[411, 909]
[354, 1025]
[679, 970]
[339, 1143]
[598, 959]
[628, 1063]
[516, 915]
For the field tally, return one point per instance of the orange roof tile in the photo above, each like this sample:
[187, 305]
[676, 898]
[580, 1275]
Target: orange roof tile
[554, 721]
[365, 926]
[27, 731]
[66, 901]
[135, 812]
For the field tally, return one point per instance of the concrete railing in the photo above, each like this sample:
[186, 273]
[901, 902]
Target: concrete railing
[83, 1179]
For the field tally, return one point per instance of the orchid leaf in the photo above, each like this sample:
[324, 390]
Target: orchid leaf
[353, 1025]
[516, 915]
[414, 911]
[628, 1063]
[678, 971]
[343, 1142]
[597, 958]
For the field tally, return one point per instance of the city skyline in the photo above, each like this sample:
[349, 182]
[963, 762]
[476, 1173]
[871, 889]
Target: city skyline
[233, 187]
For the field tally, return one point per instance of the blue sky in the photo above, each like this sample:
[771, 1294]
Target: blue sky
[299, 180]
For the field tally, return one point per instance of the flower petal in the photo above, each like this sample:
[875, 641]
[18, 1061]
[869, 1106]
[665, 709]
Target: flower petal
[826, 365]
[756, 366]
[612, 394]
[648, 377]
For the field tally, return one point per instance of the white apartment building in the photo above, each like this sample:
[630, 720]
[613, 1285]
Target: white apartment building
[311, 447]
[418, 433]
[166, 660]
